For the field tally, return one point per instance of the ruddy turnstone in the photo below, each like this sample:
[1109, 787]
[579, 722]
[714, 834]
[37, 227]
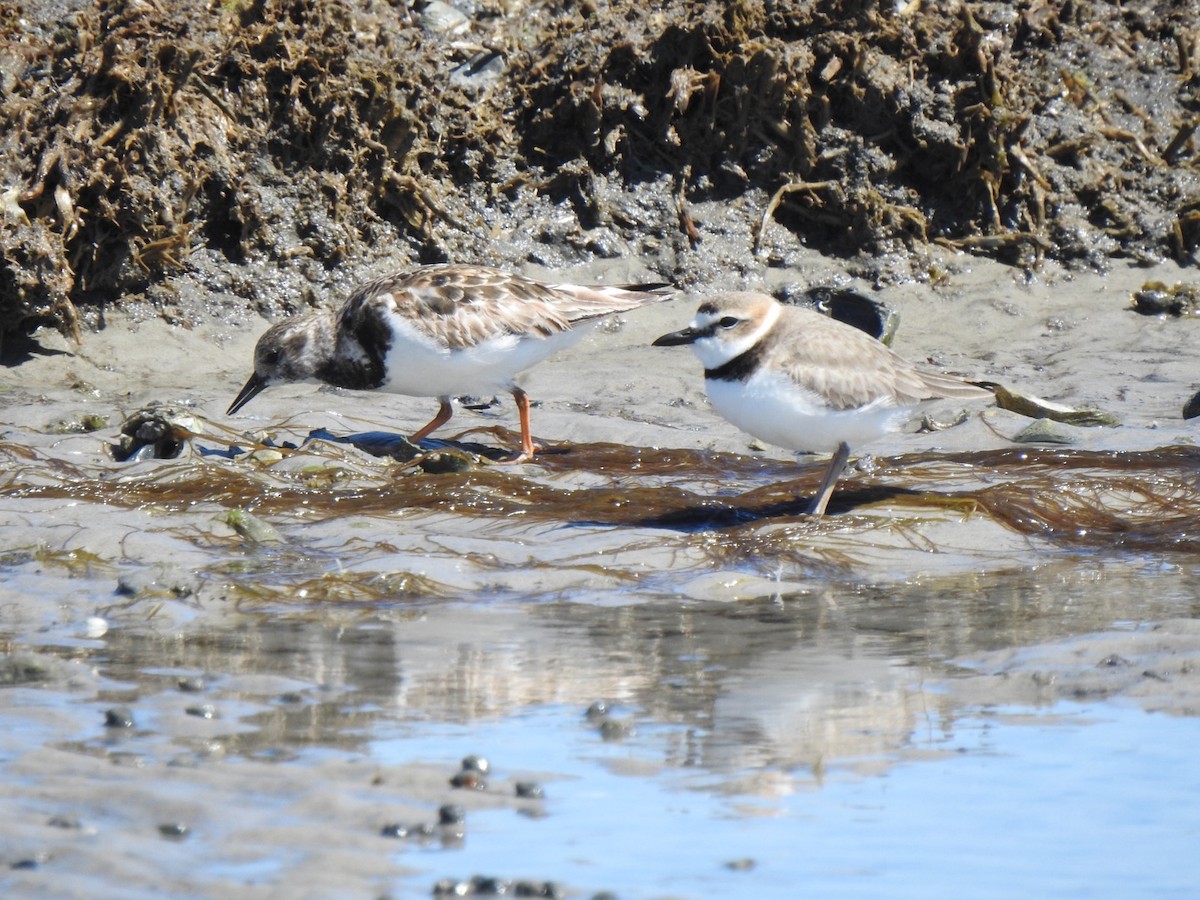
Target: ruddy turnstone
[438, 331]
[797, 379]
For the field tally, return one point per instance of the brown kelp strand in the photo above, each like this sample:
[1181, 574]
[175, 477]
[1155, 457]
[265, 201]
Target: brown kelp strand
[1143, 500]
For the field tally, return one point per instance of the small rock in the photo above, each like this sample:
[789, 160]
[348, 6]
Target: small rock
[1191, 409]
[529, 790]
[451, 814]
[468, 780]
[1044, 431]
[118, 717]
[476, 763]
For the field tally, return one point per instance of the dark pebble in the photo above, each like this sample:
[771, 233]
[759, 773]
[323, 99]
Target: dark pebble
[485, 886]
[202, 711]
[529, 790]
[538, 889]
[475, 763]
[118, 717]
[176, 831]
[191, 685]
[394, 830]
[64, 822]
[451, 814]
[597, 710]
[469, 780]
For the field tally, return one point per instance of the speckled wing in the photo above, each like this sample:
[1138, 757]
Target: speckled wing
[461, 306]
[849, 369]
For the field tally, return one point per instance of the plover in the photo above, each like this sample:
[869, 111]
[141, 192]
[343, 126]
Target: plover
[797, 379]
[438, 331]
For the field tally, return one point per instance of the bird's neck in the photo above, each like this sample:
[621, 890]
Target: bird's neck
[342, 361]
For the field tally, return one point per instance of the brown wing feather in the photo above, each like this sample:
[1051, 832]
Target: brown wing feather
[850, 369]
[461, 306]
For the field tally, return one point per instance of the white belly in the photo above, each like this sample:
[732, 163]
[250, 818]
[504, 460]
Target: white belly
[419, 368]
[779, 412]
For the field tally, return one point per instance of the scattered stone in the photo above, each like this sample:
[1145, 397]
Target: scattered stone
[451, 814]
[1191, 409]
[468, 780]
[1156, 298]
[175, 831]
[252, 528]
[475, 763]
[597, 710]
[529, 790]
[118, 717]
[1044, 431]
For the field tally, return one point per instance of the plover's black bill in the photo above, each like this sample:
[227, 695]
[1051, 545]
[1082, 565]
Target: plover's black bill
[676, 338]
[253, 386]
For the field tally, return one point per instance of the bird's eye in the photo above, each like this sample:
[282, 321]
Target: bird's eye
[271, 357]
[728, 321]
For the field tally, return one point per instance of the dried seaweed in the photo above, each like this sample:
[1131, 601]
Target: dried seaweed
[137, 134]
[1132, 501]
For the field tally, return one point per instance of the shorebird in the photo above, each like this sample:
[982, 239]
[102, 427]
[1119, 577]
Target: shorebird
[439, 331]
[797, 379]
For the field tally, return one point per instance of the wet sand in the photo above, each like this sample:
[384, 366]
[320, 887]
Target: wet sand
[356, 626]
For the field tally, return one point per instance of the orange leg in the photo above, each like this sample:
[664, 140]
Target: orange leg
[445, 411]
[527, 445]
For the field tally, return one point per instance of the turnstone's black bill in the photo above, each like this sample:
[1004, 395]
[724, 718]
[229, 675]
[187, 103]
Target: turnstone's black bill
[438, 331]
[797, 379]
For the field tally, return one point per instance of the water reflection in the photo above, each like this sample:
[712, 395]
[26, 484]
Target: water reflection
[288, 739]
[797, 682]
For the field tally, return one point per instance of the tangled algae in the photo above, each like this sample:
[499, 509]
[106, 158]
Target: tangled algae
[136, 134]
[1144, 501]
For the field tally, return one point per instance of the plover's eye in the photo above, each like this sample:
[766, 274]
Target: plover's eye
[729, 321]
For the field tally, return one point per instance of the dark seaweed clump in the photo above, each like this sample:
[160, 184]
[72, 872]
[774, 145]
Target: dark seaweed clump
[143, 142]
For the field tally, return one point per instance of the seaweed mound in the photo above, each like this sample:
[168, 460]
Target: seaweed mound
[140, 137]
[1014, 129]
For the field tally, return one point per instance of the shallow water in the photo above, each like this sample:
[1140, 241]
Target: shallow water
[826, 741]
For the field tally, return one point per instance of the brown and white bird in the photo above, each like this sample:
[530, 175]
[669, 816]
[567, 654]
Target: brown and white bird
[438, 331]
[797, 379]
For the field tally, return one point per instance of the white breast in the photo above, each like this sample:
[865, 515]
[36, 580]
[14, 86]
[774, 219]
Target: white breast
[420, 367]
[777, 410]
